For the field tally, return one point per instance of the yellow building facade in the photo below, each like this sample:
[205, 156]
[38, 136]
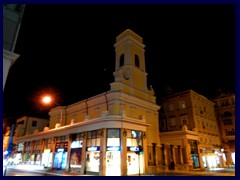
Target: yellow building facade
[225, 112]
[189, 122]
[102, 135]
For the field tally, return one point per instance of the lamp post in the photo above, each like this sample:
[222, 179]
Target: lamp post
[47, 100]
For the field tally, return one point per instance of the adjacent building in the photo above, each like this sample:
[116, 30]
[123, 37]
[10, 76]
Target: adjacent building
[12, 16]
[188, 120]
[225, 113]
[30, 125]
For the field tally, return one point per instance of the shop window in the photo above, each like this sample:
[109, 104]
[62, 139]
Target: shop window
[113, 137]
[133, 137]
[93, 138]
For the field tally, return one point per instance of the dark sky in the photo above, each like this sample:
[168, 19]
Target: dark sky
[67, 50]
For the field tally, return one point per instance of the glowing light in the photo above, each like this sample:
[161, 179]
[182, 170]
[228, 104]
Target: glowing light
[47, 99]
[5, 152]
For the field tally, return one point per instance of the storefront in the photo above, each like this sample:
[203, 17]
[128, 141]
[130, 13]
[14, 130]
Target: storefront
[210, 160]
[113, 156]
[92, 160]
[60, 158]
[76, 153]
[135, 162]
[194, 153]
[35, 157]
[47, 158]
[93, 152]
[26, 159]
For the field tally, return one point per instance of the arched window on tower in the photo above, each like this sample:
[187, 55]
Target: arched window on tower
[137, 61]
[121, 63]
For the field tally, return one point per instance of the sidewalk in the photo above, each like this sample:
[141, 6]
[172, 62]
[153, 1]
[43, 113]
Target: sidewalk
[41, 170]
[209, 172]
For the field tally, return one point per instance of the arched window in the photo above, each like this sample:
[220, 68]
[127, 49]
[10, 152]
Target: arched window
[227, 114]
[137, 61]
[121, 63]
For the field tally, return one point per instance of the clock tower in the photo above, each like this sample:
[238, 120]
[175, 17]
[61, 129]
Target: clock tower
[130, 72]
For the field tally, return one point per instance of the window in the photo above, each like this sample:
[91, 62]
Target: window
[137, 61]
[121, 63]
[134, 138]
[184, 119]
[182, 104]
[34, 123]
[227, 114]
[203, 125]
[230, 132]
[172, 122]
[21, 122]
[113, 137]
[227, 122]
[93, 138]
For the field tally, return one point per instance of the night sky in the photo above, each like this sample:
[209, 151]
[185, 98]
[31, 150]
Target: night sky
[67, 51]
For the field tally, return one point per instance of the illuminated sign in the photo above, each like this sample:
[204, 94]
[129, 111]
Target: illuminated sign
[93, 148]
[60, 150]
[47, 151]
[133, 148]
[76, 144]
[113, 148]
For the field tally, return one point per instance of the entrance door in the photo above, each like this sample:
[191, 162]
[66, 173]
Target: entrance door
[133, 163]
[113, 167]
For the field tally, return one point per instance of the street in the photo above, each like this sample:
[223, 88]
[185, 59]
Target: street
[16, 171]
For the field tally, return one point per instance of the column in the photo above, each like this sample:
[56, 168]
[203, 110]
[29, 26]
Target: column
[102, 168]
[180, 154]
[53, 150]
[124, 152]
[174, 153]
[41, 150]
[145, 153]
[188, 156]
[83, 158]
[165, 160]
[68, 152]
[200, 156]
[160, 155]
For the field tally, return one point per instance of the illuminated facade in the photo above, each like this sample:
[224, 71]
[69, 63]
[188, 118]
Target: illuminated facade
[188, 121]
[101, 135]
[225, 112]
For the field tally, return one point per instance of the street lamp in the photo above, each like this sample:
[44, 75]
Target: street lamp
[48, 100]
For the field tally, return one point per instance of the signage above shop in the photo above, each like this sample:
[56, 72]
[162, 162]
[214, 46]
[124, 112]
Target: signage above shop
[60, 150]
[47, 151]
[76, 144]
[93, 148]
[133, 148]
[113, 148]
